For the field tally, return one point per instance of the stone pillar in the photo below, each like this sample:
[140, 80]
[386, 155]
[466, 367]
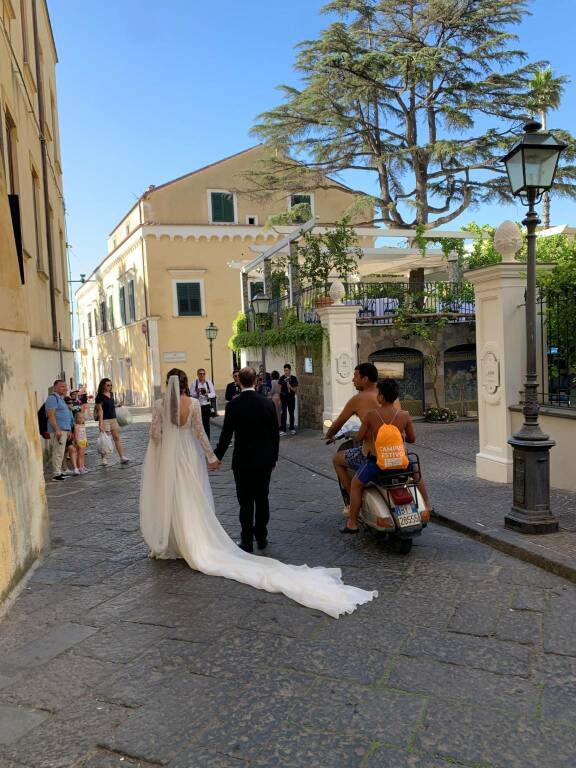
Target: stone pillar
[154, 344]
[294, 274]
[454, 271]
[500, 350]
[338, 354]
[245, 294]
[268, 277]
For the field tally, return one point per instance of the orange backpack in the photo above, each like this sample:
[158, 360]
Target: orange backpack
[390, 451]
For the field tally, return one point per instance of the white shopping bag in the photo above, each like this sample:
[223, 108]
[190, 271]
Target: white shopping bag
[104, 445]
[123, 416]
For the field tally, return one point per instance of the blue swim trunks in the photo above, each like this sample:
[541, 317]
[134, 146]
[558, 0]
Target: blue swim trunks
[370, 470]
[354, 457]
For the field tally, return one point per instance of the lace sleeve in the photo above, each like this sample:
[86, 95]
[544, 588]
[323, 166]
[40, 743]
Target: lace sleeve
[156, 426]
[200, 433]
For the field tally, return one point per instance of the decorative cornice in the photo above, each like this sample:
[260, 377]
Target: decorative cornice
[219, 232]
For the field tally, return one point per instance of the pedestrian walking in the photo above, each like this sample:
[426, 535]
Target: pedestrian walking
[58, 418]
[105, 415]
[203, 390]
[288, 388]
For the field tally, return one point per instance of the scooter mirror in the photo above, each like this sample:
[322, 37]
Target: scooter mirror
[327, 423]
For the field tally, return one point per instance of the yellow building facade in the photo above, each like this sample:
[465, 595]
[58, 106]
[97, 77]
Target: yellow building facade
[23, 512]
[30, 151]
[166, 276]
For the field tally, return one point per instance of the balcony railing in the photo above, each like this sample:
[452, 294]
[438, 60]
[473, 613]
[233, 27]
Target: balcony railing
[381, 303]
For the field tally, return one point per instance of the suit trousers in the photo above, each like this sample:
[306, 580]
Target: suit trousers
[206, 412]
[252, 486]
[288, 403]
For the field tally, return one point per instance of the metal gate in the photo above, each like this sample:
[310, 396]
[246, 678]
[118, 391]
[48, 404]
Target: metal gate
[407, 367]
[460, 379]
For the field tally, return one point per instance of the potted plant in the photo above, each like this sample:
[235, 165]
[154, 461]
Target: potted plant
[322, 256]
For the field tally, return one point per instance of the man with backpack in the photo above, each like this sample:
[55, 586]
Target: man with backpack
[384, 430]
[59, 423]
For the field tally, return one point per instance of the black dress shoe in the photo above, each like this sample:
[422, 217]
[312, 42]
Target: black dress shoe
[245, 547]
[262, 544]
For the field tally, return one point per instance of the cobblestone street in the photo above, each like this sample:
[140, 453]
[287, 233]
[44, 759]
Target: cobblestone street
[109, 659]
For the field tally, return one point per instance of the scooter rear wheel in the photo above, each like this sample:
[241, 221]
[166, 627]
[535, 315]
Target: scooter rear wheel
[402, 546]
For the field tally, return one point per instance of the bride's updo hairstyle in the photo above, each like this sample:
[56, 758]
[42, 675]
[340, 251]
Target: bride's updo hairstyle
[184, 390]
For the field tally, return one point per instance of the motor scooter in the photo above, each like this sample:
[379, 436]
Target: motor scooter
[391, 504]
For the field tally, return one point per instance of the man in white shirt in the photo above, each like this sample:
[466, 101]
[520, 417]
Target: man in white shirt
[203, 390]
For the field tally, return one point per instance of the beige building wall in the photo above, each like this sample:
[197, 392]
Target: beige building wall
[23, 512]
[560, 425]
[168, 238]
[29, 122]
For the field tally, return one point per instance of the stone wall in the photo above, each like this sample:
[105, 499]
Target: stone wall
[310, 390]
[23, 511]
[372, 338]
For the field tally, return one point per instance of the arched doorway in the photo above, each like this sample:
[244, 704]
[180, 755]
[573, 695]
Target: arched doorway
[460, 379]
[406, 365]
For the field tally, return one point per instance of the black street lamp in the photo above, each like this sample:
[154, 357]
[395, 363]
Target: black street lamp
[531, 166]
[211, 333]
[261, 308]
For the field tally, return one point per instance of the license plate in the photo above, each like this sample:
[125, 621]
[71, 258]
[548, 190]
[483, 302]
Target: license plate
[407, 517]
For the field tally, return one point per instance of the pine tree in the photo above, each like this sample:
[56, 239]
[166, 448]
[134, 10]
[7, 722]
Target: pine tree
[425, 95]
[546, 93]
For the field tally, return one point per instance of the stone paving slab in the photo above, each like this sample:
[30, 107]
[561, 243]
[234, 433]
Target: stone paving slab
[467, 658]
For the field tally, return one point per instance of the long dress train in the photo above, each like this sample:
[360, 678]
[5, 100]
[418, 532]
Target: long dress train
[178, 519]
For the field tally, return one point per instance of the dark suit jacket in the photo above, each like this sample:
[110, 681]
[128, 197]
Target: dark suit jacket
[231, 391]
[252, 420]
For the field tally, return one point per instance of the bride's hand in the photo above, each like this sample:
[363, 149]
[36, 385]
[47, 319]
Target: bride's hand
[214, 465]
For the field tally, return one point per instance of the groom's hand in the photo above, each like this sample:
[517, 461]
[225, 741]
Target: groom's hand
[214, 465]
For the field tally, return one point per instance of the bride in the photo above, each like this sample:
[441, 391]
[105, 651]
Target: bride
[178, 519]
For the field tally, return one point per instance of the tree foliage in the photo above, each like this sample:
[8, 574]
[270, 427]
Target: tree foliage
[333, 252]
[425, 95]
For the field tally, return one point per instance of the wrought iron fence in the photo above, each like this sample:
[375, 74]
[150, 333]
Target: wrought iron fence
[380, 303]
[557, 314]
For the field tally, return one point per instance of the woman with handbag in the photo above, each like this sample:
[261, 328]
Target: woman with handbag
[105, 415]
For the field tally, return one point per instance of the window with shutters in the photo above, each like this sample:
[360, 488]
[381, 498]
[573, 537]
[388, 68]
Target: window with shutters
[122, 303]
[11, 143]
[131, 302]
[36, 208]
[188, 298]
[89, 324]
[222, 207]
[110, 312]
[302, 199]
[96, 327]
[103, 320]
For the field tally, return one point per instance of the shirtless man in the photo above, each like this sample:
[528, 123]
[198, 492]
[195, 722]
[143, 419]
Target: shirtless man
[365, 380]
[387, 412]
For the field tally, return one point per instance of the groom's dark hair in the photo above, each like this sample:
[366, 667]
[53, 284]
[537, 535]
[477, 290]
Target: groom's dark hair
[247, 377]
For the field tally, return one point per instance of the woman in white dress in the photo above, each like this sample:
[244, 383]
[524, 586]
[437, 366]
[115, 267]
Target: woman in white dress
[178, 519]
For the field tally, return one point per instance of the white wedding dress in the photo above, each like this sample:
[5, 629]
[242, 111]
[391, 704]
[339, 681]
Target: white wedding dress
[178, 519]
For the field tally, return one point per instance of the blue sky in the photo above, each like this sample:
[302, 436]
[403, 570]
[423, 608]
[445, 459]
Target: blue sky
[148, 91]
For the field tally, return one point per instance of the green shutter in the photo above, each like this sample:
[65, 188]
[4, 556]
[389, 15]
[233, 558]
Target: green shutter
[122, 302]
[189, 299]
[222, 207]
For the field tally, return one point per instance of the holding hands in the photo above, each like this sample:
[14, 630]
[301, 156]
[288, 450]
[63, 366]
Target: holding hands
[214, 465]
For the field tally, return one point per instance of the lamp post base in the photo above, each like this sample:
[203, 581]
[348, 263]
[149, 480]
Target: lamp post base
[530, 511]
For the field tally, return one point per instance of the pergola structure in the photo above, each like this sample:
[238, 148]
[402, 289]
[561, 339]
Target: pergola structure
[382, 259]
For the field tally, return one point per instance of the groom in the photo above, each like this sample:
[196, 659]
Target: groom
[252, 420]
